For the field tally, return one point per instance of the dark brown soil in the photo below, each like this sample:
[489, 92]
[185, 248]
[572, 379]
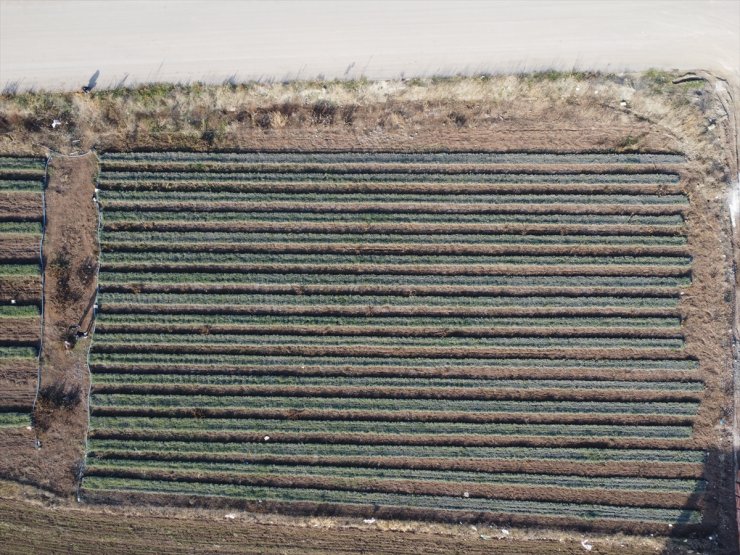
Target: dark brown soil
[18, 249]
[18, 381]
[21, 207]
[22, 289]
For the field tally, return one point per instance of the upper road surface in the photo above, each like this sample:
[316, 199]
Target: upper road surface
[54, 44]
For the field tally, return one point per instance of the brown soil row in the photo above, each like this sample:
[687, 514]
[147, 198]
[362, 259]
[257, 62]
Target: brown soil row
[619, 498]
[20, 331]
[18, 379]
[396, 208]
[527, 168]
[450, 249]
[14, 174]
[407, 269]
[396, 415]
[389, 290]
[399, 228]
[391, 331]
[391, 392]
[389, 310]
[400, 352]
[403, 513]
[17, 398]
[19, 248]
[31, 527]
[20, 207]
[390, 188]
[472, 372]
[21, 289]
[642, 469]
[441, 440]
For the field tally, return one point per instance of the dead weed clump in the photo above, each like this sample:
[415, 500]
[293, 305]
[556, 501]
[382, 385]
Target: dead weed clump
[52, 398]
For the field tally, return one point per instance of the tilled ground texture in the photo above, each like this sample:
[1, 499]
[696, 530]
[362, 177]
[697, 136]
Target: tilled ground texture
[454, 336]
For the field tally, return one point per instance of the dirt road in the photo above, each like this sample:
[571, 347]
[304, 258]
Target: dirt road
[61, 44]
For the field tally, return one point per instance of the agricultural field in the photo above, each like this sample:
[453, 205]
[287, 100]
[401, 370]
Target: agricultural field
[427, 335]
[481, 315]
[21, 214]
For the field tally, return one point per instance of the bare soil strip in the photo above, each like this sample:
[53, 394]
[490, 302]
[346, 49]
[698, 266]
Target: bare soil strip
[389, 331]
[400, 352]
[19, 248]
[31, 527]
[466, 440]
[20, 207]
[20, 331]
[625, 469]
[528, 168]
[22, 289]
[109, 183]
[394, 416]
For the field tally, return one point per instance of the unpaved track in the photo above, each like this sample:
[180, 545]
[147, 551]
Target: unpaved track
[59, 45]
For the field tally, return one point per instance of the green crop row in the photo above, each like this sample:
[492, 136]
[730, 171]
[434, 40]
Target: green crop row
[390, 157]
[113, 237]
[18, 352]
[189, 257]
[22, 162]
[578, 454]
[31, 228]
[489, 199]
[449, 476]
[400, 500]
[458, 429]
[14, 419]
[328, 176]
[20, 269]
[17, 185]
[231, 319]
[290, 299]
[134, 318]
[347, 402]
[19, 311]
[441, 362]
[371, 217]
[382, 381]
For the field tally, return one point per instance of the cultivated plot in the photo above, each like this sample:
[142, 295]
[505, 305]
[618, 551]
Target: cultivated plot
[425, 335]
